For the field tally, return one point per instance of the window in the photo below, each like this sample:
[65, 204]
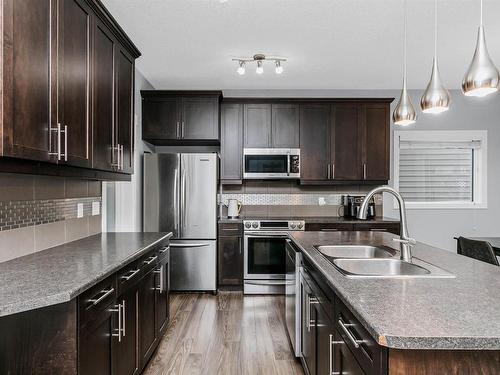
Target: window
[441, 169]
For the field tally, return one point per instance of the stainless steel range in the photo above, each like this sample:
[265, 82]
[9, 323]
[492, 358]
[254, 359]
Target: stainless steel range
[265, 254]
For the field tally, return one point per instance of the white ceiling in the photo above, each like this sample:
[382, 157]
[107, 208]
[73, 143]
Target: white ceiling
[330, 44]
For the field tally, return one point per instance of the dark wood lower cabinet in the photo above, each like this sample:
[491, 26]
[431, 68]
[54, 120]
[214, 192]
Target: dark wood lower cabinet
[230, 255]
[147, 317]
[126, 359]
[344, 362]
[162, 297]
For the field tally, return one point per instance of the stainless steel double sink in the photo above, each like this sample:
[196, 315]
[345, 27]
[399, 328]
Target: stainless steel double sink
[364, 261]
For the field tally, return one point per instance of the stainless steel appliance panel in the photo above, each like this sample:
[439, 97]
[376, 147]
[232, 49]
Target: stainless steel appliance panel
[193, 265]
[161, 210]
[198, 185]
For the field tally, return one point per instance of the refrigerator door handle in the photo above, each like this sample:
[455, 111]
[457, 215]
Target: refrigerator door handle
[183, 200]
[189, 244]
[176, 203]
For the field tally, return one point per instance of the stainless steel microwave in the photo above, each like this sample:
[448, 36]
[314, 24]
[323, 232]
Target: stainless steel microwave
[271, 163]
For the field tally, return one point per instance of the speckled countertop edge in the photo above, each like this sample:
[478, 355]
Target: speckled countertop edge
[44, 300]
[315, 219]
[386, 339]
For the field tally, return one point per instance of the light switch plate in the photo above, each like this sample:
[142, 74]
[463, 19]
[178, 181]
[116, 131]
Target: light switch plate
[96, 208]
[79, 210]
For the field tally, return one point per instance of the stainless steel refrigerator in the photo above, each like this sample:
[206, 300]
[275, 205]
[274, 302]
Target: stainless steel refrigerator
[180, 196]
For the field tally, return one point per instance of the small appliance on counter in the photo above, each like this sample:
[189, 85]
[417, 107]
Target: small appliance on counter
[233, 208]
[351, 204]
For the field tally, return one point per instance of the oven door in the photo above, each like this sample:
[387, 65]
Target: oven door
[265, 256]
[266, 163]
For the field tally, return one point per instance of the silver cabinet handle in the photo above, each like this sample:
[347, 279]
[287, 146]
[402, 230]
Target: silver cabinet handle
[328, 171]
[332, 343]
[333, 171]
[57, 130]
[122, 166]
[160, 272]
[308, 313]
[128, 277]
[182, 129]
[118, 149]
[118, 309]
[106, 294]
[124, 317]
[351, 338]
[164, 249]
[65, 143]
[364, 171]
[151, 260]
[178, 130]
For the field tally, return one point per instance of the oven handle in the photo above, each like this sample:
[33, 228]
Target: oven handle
[266, 282]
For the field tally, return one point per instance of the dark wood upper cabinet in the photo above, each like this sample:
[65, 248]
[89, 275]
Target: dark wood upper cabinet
[105, 155]
[180, 117]
[160, 118]
[285, 125]
[200, 118]
[125, 109]
[26, 81]
[257, 125]
[231, 143]
[61, 92]
[345, 146]
[315, 124]
[375, 140]
[73, 99]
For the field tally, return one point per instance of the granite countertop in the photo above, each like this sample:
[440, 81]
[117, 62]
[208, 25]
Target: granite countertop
[460, 313]
[314, 219]
[61, 273]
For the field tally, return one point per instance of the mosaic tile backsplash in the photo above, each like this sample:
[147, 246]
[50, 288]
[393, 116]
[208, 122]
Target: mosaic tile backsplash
[19, 214]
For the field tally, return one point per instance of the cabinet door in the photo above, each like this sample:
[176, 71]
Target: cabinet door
[26, 78]
[162, 297]
[344, 362]
[230, 261]
[126, 359]
[125, 109]
[96, 340]
[324, 338]
[200, 118]
[104, 152]
[231, 145]
[375, 142]
[257, 125]
[285, 125]
[346, 160]
[160, 118]
[74, 80]
[314, 141]
[147, 317]
[307, 330]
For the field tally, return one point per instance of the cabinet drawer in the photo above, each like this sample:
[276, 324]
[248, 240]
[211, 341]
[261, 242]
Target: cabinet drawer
[378, 227]
[230, 229]
[329, 227]
[128, 276]
[371, 356]
[96, 299]
[149, 261]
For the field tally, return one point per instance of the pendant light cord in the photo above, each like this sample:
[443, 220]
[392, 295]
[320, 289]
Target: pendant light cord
[404, 45]
[481, 19]
[436, 28]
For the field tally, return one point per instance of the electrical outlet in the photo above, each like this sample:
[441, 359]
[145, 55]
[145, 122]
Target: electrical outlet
[321, 201]
[79, 210]
[96, 208]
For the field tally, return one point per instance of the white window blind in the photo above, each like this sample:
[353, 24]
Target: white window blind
[437, 171]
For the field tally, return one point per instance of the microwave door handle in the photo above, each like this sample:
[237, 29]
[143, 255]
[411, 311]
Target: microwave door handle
[288, 164]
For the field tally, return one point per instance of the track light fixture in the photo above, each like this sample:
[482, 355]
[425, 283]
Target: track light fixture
[259, 59]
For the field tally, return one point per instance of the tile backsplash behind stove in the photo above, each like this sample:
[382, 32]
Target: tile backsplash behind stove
[38, 212]
[288, 199]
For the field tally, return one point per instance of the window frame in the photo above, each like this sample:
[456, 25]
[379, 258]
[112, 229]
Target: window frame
[480, 192]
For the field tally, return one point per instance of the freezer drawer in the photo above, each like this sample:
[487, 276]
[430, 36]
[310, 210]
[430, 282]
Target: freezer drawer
[193, 265]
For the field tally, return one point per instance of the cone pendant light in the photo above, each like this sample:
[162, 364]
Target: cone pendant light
[404, 113]
[482, 77]
[436, 98]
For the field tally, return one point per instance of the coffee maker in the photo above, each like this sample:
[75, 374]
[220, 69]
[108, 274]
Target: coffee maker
[351, 204]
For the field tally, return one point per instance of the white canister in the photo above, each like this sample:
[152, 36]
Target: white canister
[233, 208]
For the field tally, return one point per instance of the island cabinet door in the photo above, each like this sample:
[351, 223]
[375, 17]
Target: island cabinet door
[96, 343]
[308, 340]
[162, 297]
[147, 317]
[126, 358]
[324, 340]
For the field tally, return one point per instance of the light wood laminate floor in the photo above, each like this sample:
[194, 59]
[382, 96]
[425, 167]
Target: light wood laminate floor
[225, 334]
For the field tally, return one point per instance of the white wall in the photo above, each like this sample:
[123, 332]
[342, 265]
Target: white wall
[123, 200]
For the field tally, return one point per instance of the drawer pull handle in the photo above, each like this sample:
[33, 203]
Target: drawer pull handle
[332, 343]
[128, 277]
[160, 272]
[150, 260]
[118, 309]
[107, 293]
[349, 334]
[164, 249]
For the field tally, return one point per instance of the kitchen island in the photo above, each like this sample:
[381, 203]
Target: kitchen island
[96, 305]
[408, 325]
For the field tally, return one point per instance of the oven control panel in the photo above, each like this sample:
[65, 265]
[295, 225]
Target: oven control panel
[274, 225]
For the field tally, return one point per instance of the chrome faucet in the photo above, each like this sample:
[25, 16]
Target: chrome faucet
[406, 242]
